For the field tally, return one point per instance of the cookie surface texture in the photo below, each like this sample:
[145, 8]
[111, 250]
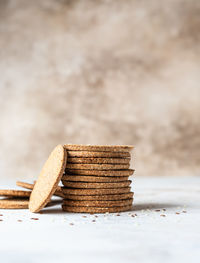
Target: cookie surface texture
[98, 148]
[16, 193]
[14, 204]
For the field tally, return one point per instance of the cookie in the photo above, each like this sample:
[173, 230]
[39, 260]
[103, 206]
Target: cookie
[14, 204]
[104, 167]
[48, 179]
[98, 148]
[99, 160]
[15, 193]
[100, 173]
[97, 179]
[100, 197]
[98, 203]
[58, 191]
[75, 191]
[86, 185]
[92, 210]
[87, 154]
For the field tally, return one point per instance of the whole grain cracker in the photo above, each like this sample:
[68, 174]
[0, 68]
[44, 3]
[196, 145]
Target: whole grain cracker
[100, 197]
[48, 179]
[86, 185]
[98, 148]
[75, 191]
[100, 173]
[97, 166]
[84, 209]
[103, 203]
[87, 154]
[97, 179]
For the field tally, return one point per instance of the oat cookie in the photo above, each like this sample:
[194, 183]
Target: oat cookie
[15, 193]
[75, 191]
[104, 203]
[108, 197]
[98, 148]
[14, 204]
[48, 179]
[84, 209]
[97, 166]
[100, 173]
[99, 160]
[86, 185]
[87, 154]
[97, 179]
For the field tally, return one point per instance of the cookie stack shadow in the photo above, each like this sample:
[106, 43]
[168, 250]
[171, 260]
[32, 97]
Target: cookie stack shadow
[96, 179]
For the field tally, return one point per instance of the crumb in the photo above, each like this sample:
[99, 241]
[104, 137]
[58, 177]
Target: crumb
[84, 216]
[34, 218]
[1, 214]
[135, 214]
[71, 224]
[19, 220]
[157, 210]
[184, 211]
[93, 220]
[177, 213]
[163, 215]
[1, 220]
[96, 216]
[132, 216]
[164, 209]
[117, 214]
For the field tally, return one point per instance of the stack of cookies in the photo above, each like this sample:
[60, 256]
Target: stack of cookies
[96, 179]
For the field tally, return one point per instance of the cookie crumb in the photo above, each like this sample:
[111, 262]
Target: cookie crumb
[184, 211]
[19, 220]
[34, 218]
[71, 224]
[93, 220]
[117, 214]
[177, 213]
[1, 220]
[84, 216]
[1, 214]
[132, 215]
[164, 209]
[163, 215]
[157, 210]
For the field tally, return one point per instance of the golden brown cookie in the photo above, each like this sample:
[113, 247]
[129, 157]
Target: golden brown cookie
[97, 179]
[75, 191]
[98, 148]
[97, 166]
[100, 197]
[100, 173]
[86, 185]
[14, 204]
[92, 210]
[25, 185]
[16, 193]
[48, 179]
[103, 203]
[99, 160]
[87, 154]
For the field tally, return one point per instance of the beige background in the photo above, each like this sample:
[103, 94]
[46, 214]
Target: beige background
[100, 72]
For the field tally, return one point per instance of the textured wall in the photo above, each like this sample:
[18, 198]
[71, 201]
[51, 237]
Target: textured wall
[106, 72]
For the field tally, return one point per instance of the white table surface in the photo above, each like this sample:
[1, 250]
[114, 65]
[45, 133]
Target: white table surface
[147, 237]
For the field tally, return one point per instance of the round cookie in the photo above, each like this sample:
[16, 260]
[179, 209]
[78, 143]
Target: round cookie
[97, 179]
[97, 166]
[25, 185]
[100, 173]
[48, 179]
[92, 210]
[98, 148]
[86, 185]
[15, 193]
[108, 197]
[87, 154]
[99, 160]
[75, 191]
[102, 203]
[14, 204]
